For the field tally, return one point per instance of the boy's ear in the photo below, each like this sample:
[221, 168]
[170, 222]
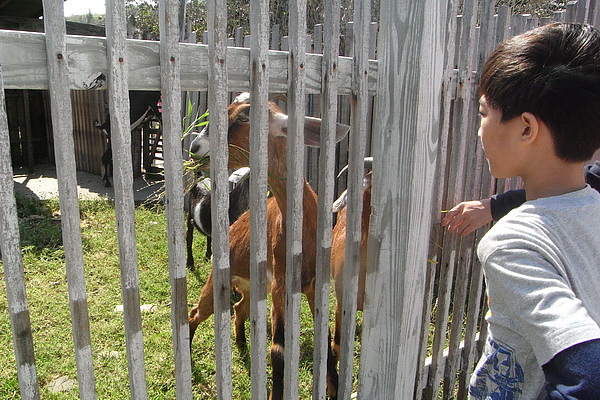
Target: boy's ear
[530, 127]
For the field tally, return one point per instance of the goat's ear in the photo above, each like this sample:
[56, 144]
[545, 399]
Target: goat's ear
[341, 130]
[312, 131]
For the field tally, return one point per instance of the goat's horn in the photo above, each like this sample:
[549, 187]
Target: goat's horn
[368, 162]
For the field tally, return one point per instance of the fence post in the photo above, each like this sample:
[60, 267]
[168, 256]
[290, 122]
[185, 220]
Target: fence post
[170, 65]
[218, 101]
[12, 261]
[295, 166]
[124, 202]
[411, 56]
[259, 119]
[62, 124]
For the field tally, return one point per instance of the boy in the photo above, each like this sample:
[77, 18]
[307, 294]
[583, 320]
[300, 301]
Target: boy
[540, 120]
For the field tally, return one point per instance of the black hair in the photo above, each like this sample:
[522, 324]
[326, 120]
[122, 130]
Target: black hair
[552, 72]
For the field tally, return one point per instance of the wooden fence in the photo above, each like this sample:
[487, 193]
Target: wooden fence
[426, 159]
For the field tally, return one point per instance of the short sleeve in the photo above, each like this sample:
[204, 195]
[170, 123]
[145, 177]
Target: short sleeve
[536, 301]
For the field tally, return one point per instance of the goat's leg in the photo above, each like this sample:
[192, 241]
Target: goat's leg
[278, 333]
[242, 310]
[189, 239]
[335, 345]
[204, 309]
[208, 253]
[332, 375]
[106, 164]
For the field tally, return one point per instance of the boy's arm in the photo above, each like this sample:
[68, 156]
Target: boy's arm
[467, 216]
[502, 203]
[574, 373]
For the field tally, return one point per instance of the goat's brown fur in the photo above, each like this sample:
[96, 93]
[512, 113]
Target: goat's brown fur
[338, 257]
[238, 137]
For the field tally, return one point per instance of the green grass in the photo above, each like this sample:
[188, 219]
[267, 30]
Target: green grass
[43, 258]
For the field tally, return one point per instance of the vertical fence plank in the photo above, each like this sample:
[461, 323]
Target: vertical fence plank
[429, 375]
[455, 159]
[325, 182]
[411, 59]
[259, 119]
[476, 282]
[583, 7]
[62, 123]
[171, 106]
[464, 168]
[14, 275]
[571, 11]
[359, 102]
[217, 104]
[116, 32]
[295, 181]
[594, 14]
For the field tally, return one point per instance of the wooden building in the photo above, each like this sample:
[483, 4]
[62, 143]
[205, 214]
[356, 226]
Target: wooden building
[28, 111]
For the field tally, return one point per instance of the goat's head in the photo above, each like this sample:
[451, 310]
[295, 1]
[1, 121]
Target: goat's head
[238, 134]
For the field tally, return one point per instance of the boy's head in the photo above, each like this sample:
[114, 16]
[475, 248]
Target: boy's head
[552, 72]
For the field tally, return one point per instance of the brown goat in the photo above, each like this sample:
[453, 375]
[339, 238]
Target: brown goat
[338, 257]
[239, 233]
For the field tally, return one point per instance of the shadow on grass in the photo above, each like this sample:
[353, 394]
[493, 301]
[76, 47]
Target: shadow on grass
[39, 223]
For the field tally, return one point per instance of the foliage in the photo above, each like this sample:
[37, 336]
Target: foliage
[89, 18]
[540, 8]
[143, 14]
[193, 167]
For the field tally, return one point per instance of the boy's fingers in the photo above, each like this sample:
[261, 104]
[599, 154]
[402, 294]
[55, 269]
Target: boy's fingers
[450, 215]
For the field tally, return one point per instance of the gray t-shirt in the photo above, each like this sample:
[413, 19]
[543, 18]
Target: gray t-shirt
[542, 268]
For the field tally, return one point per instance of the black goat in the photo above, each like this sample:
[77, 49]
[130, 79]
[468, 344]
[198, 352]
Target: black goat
[142, 107]
[198, 202]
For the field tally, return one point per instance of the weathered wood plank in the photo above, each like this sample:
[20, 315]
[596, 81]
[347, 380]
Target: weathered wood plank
[22, 55]
[594, 13]
[464, 173]
[357, 145]
[12, 261]
[259, 120]
[326, 184]
[116, 32]
[170, 68]
[411, 58]
[62, 124]
[217, 105]
[454, 159]
[297, 62]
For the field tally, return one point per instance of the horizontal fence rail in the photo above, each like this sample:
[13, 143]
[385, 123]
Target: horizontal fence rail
[413, 109]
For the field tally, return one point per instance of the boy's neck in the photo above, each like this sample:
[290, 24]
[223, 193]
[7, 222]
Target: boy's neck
[555, 178]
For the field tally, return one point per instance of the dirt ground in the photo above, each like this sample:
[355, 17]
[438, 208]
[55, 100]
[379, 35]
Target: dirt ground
[43, 184]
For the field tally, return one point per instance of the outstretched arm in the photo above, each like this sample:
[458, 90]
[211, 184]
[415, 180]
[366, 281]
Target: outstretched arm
[468, 216]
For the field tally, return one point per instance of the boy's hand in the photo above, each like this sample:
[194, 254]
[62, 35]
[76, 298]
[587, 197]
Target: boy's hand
[468, 216]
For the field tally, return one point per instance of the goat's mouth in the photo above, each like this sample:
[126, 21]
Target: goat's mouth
[197, 164]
